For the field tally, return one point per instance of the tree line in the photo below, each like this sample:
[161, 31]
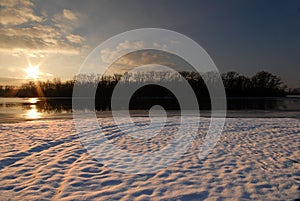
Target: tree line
[236, 85]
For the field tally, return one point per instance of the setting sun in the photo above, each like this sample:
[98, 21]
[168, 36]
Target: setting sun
[32, 72]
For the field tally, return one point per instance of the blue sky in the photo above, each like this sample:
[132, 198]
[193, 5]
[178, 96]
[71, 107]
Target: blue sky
[243, 36]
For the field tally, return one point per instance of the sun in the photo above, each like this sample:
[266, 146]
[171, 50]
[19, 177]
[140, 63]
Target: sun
[32, 72]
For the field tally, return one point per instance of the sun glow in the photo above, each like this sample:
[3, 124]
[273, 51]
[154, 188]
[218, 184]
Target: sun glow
[33, 100]
[33, 113]
[32, 72]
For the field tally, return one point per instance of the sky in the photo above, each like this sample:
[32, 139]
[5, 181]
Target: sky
[243, 36]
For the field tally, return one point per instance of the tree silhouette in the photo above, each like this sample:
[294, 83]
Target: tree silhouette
[267, 84]
[236, 85]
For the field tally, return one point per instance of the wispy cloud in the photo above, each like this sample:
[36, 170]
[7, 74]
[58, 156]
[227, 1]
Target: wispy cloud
[107, 55]
[66, 20]
[146, 57]
[22, 31]
[16, 12]
[70, 15]
[75, 39]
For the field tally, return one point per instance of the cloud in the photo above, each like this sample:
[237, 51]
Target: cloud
[42, 31]
[34, 38]
[108, 55]
[66, 20]
[162, 46]
[75, 39]
[139, 56]
[16, 12]
[35, 41]
[68, 14]
[49, 74]
[146, 57]
[14, 81]
[12, 3]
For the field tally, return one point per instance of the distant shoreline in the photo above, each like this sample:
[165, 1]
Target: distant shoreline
[6, 118]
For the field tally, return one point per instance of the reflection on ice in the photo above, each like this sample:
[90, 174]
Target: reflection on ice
[33, 100]
[33, 113]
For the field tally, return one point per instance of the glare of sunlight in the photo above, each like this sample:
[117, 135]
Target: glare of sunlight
[32, 72]
[33, 113]
[33, 100]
